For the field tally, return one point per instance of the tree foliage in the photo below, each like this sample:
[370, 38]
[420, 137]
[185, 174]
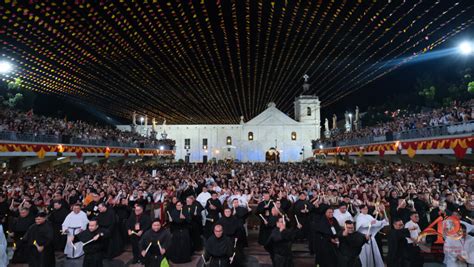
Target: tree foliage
[13, 95]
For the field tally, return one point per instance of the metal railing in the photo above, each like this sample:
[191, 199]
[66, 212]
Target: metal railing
[25, 137]
[434, 131]
[54, 139]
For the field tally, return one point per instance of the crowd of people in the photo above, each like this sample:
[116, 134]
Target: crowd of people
[16, 122]
[457, 113]
[173, 211]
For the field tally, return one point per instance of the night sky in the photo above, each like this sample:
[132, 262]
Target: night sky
[213, 61]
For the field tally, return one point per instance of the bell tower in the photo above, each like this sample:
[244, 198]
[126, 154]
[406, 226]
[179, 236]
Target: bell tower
[307, 107]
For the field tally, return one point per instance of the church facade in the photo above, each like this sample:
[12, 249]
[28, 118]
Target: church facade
[270, 131]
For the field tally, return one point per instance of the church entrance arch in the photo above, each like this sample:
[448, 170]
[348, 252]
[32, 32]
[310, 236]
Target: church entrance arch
[272, 155]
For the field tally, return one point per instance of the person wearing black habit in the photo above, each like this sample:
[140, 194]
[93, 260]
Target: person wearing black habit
[39, 241]
[92, 209]
[326, 239]
[264, 209]
[317, 212]
[269, 223]
[57, 217]
[241, 214]
[350, 246]
[154, 243]
[180, 248]
[397, 244]
[108, 222]
[137, 224]
[194, 209]
[232, 228]
[19, 227]
[213, 208]
[218, 249]
[123, 211]
[302, 209]
[279, 244]
[93, 239]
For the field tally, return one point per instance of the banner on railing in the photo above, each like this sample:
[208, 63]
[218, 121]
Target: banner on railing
[459, 146]
[79, 151]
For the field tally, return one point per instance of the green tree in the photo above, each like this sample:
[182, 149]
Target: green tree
[13, 95]
[470, 87]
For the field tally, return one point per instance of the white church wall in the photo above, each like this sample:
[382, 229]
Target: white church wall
[271, 128]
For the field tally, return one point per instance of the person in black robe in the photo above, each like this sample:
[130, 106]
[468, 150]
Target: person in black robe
[19, 228]
[316, 214]
[4, 211]
[95, 237]
[180, 250]
[92, 209]
[285, 204]
[450, 203]
[241, 214]
[57, 217]
[108, 222]
[302, 209]
[232, 228]
[58, 197]
[326, 239]
[123, 212]
[39, 242]
[137, 224]
[466, 211]
[154, 244]
[350, 246]
[218, 249]
[213, 208]
[402, 211]
[422, 208]
[279, 244]
[398, 245]
[264, 210]
[194, 209]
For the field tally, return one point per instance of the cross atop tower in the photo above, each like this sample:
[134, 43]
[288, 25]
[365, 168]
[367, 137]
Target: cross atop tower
[305, 77]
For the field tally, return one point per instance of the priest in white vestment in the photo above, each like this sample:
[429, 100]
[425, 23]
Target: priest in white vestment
[459, 252]
[3, 248]
[368, 225]
[75, 222]
[342, 215]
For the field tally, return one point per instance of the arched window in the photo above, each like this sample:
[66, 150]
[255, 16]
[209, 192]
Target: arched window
[250, 136]
[308, 111]
[229, 140]
[293, 136]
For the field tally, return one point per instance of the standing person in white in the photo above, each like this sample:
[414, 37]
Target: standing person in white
[416, 260]
[342, 215]
[368, 225]
[459, 252]
[3, 248]
[75, 222]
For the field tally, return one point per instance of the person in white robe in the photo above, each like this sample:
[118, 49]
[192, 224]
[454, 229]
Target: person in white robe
[342, 215]
[3, 248]
[75, 222]
[368, 225]
[202, 198]
[459, 252]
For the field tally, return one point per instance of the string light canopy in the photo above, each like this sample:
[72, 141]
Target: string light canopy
[212, 61]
